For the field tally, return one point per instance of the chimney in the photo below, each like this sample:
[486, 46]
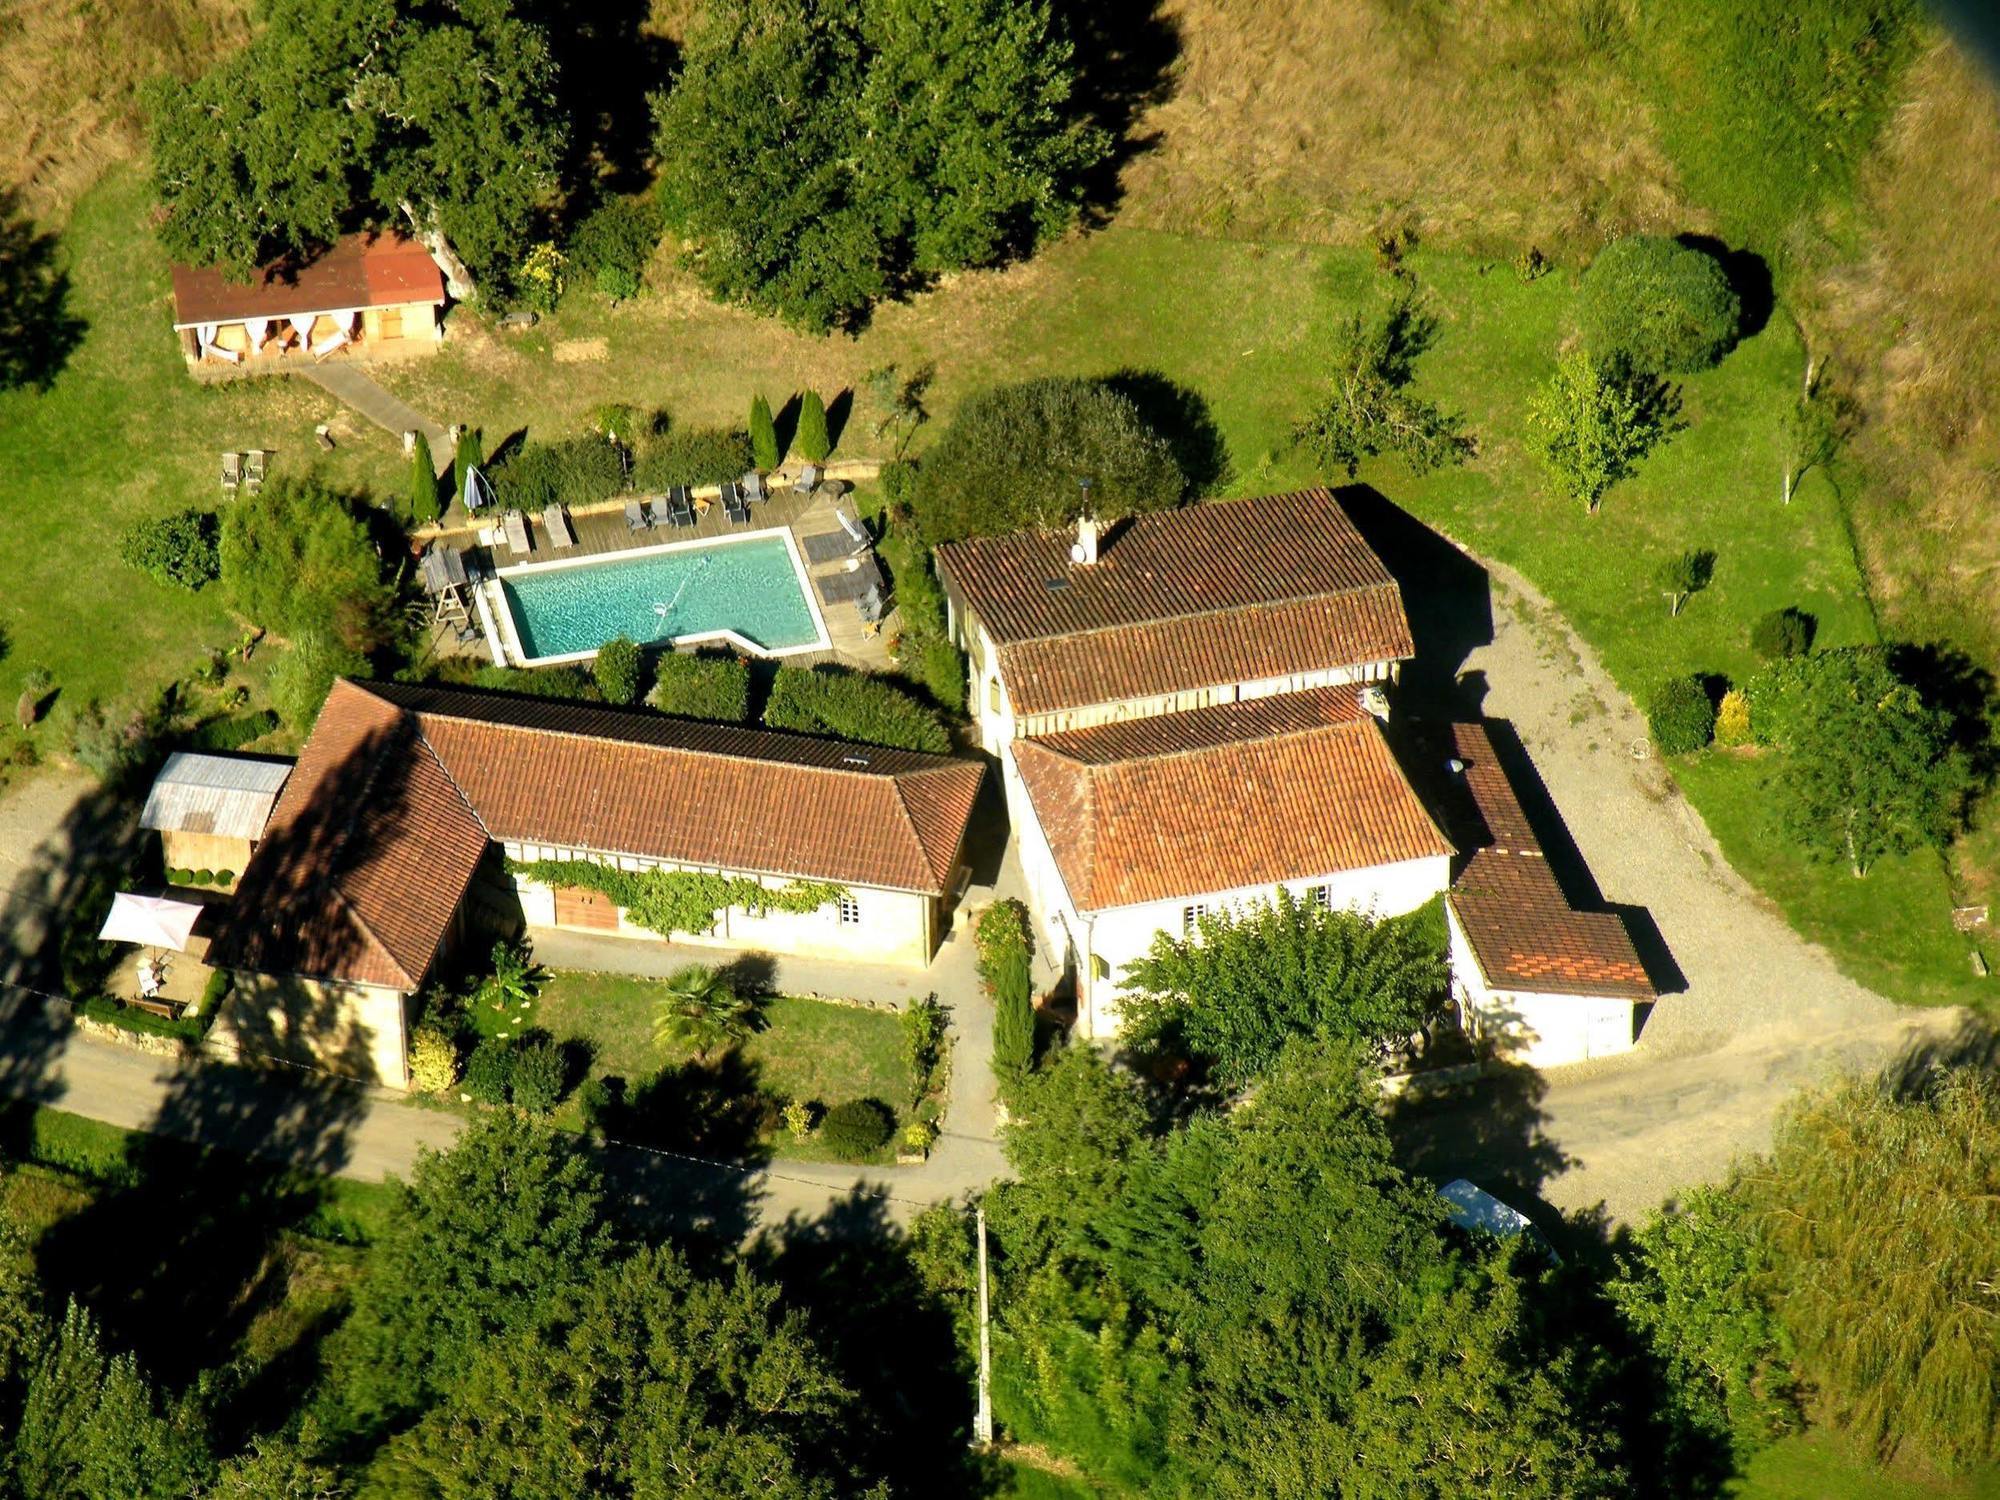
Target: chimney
[1084, 553]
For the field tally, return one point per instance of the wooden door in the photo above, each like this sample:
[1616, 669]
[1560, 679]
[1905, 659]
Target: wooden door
[577, 906]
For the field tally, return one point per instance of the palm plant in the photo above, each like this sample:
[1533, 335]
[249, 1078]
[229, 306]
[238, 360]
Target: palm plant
[701, 1009]
[515, 980]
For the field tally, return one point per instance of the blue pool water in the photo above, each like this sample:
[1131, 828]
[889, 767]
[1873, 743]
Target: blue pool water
[749, 587]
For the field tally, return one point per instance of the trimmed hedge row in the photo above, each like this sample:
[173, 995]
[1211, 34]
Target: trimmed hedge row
[852, 706]
[702, 687]
[200, 877]
[188, 1028]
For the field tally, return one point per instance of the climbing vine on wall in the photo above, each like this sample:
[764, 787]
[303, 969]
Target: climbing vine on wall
[671, 901]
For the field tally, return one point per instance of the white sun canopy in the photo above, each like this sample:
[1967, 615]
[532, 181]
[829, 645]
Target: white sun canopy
[151, 921]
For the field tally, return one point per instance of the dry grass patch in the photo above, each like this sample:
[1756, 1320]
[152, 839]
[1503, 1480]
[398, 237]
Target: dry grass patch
[70, 75]
[1493, 125]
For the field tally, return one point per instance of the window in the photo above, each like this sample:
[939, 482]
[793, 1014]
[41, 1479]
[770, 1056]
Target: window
[1191, 916]
[849, 912]
[1319, 895]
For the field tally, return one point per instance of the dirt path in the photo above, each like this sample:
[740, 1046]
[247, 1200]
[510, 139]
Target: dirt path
[1763, 1011]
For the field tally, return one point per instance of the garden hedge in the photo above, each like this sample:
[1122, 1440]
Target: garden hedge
[852, 706]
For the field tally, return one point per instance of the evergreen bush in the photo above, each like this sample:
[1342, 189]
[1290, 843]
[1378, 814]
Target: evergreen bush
[180, 550]
[811, 439]
[423, 483]
[1681, 716]
[617, 669]
[852, 706]
[696, 686]
[763, 434]
[489, 1072]
[693, 455]
[856, 1129]
[1658, 305]
[1732, 719]
[1783, 634]
[540, 1075]
[433, 1060]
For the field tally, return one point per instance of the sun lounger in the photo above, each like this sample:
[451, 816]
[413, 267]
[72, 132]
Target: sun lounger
[635, 516]
[733, 505]
[871, 607]
[232, 471]
[253, 469]
[228, 356]
[516, 527]
[850, 584]
[556, 525]
[331, 342]
[853, 527]
[680, 508]
[808, 481]
[753, 486]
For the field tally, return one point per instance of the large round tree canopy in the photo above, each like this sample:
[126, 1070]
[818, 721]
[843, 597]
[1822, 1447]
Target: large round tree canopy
[1658, 305]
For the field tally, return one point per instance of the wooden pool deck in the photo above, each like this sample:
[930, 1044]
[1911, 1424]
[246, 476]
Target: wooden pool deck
[601, 530]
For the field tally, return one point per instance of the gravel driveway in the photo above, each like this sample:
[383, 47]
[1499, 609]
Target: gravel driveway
[1762, 1013]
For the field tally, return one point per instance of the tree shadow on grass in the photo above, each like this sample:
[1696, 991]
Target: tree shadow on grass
[38, 332]
[1125, 52]
[1489, 1130]
[838, 413]
[608, 61]
[856, 1274]
[1749, 276]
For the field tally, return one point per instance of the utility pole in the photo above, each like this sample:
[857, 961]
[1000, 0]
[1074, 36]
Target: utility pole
[982, 1422]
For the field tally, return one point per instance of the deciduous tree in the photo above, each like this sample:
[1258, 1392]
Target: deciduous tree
[1590, 426]
[1367, 407]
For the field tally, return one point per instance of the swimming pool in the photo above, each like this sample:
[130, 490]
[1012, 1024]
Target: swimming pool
[749, 591]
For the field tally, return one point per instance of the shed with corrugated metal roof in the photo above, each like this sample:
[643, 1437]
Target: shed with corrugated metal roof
[210, 811]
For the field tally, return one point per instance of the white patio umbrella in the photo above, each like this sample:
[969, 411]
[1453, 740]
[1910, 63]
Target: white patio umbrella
[151, 921]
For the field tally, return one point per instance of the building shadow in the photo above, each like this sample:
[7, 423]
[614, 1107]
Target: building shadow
[1447, 596]
[38, 332]
[854, 1274]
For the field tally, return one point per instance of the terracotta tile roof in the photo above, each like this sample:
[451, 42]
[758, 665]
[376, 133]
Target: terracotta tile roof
[364, 860]
[1218, 592]
[1524, 933]
[357, 270]
[438, 773]
[1217, 799]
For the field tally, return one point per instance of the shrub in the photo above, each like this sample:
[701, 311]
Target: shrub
[763, 434]
[924, 1027]
[1002, 939]
[433, 1060]
[1732, 719]
[180, 877]
[423, 483]
[204, 877]
[1658, 305]
[1680, 715]
[597, 1103]
[233, 732]
[798, 1116]
[857, 1128]
[701, 687]
[216, 990]
[694, 455]
[541, 1074]
[852, 706]
[542, 682]
[296, 557]
[811, 439]
[919, 1136]
[542, 276]
[180, 550]
[575, 471]
[489, 1072]
[224, 877]
[614, 242]
[35, 685]
[898, 480]
[1783, 634]
[1013, 457]
[617, 669]
[107, 743]
[303, 676]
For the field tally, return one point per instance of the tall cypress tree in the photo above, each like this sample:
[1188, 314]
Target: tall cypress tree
[423, 483]
[763, 434]
[812, 440]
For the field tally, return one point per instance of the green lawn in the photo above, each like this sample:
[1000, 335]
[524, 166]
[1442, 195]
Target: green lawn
[1812, 1467]
[808, 1049]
